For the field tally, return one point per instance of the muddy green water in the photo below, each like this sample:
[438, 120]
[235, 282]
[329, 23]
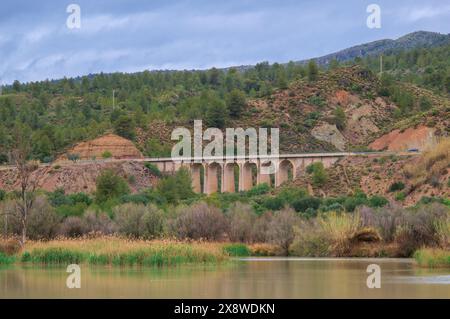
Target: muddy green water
[246, 278]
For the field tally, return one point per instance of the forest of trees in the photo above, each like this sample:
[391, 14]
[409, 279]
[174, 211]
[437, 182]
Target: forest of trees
[60, 113]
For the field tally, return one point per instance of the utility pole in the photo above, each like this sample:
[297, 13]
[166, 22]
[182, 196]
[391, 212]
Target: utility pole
[114, 91]
[381, 65]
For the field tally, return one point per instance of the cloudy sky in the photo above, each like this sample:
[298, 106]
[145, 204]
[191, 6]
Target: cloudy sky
[133, 35]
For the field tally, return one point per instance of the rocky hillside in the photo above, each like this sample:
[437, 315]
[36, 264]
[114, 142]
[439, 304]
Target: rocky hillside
[108, 145]
[405, 179]
[342, 110]
[81, 177]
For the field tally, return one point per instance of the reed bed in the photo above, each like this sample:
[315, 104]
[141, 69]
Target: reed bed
[433, 257]
[122, 252]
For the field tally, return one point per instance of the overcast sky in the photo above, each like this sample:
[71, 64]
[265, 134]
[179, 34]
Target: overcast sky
[132, 35]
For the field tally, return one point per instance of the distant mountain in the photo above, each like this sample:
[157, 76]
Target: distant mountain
[419, 39]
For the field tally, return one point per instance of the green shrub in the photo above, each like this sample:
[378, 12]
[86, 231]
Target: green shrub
[260, 189]
[71, 210]
[106, 154]
[135, 198]
[302, 204]
[290, 194]
[273, 203]
[319, 174]
[6, 260]
[378, 201]
[316, 100]
[400, 196]
[177, 187]
[153, 169]
[110, 186]
[396, 186]
[237, 250]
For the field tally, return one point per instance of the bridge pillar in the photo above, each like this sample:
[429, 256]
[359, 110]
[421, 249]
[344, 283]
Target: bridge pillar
[196, 177]
[246, 175]
[228, 180]
[212, 177]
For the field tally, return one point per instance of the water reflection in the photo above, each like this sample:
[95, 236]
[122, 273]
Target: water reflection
[246, 278]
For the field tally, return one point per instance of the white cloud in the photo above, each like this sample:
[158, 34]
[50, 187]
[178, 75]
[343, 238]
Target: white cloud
[416, 14]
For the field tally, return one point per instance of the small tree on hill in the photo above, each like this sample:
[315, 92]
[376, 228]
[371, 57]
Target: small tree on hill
[124, 126]
[339, 118]
[313, 71]
[109, 186]
[236, 102]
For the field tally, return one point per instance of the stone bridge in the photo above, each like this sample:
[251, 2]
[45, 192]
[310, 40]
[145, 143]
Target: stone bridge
[231, 174]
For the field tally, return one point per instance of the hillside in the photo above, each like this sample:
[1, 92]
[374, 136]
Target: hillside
[307, 114]
[418, 39]
[346, 107]
[406, 179]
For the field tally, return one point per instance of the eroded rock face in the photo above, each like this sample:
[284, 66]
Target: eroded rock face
[81, 177]
[419, 138]
[119, 147]
[329, 133]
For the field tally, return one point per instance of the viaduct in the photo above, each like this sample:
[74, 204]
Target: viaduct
[210, 174]
[234, 173]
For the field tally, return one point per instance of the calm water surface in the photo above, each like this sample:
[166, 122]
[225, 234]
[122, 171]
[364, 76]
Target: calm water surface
[245, 278]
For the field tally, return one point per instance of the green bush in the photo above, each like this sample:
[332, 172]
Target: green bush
[135, 198]
[302, 204]
[290, 194]
[110, 186]
[260, 189]
[71, 210]
[396, 186]
[106, 154]
[153, 169]
[319, 174]
[400, 196]
[273, 203]
[237, 250]
[177, 187]
[6, 260]
[378, 201]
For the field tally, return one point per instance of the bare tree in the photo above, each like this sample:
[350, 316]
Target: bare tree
[27, 185]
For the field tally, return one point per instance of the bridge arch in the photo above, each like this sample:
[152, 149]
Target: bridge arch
[286, 172]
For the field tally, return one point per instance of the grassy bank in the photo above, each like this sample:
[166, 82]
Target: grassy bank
[432, 257]
[121, 251]
[6, 260]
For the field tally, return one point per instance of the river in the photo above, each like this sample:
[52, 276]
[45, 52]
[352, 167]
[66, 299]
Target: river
[243, 278]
